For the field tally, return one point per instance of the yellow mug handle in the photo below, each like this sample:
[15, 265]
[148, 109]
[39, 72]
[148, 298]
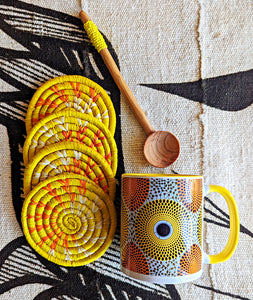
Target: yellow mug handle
[233, 238]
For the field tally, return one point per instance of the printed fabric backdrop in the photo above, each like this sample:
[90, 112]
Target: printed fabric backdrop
[190, 65]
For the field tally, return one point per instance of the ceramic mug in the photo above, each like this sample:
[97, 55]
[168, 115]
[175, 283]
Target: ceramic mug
[162, 227]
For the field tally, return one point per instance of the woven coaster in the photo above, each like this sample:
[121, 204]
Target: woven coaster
[72, 126]
[71, 91]
[72, 158]
[69, 220]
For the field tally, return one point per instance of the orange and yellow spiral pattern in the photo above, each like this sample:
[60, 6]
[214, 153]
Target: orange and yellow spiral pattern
[75, 92]
[69, 220]
[191, 261]
[190, 193]
[71, 126]
[68, 157]
[133, 259]
[135, 192]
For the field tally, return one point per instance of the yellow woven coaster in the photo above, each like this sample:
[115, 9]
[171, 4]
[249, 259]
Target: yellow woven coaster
[69, 220]
[72, 158]
[72, 126]
[71, 91]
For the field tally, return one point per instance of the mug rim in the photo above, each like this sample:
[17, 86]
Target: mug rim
[144, 175]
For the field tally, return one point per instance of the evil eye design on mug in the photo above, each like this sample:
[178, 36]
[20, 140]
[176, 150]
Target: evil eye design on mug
[165, 233]
[163, 230]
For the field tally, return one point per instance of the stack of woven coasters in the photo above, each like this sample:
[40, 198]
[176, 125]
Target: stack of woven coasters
[70, 156]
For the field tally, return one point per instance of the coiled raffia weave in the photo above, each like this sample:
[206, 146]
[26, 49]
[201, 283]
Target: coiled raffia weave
[69, 157]
[71, 91]
[71, 126]
[69, 220]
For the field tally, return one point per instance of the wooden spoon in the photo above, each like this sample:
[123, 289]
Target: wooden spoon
[161, 148]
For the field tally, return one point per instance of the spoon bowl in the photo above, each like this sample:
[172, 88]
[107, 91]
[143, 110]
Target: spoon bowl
[161, 149]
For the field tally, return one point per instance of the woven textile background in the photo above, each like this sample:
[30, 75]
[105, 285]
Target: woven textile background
[190, 65]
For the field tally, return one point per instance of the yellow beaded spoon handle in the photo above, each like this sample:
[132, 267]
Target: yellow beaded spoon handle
[161, 148]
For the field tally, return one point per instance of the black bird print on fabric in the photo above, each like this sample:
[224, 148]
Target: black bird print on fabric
[54, 44]
[231, 92]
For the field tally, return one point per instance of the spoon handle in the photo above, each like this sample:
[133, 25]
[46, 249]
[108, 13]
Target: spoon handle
[99, 43]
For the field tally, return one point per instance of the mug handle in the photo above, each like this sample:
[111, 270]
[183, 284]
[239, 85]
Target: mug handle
[233, 238]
